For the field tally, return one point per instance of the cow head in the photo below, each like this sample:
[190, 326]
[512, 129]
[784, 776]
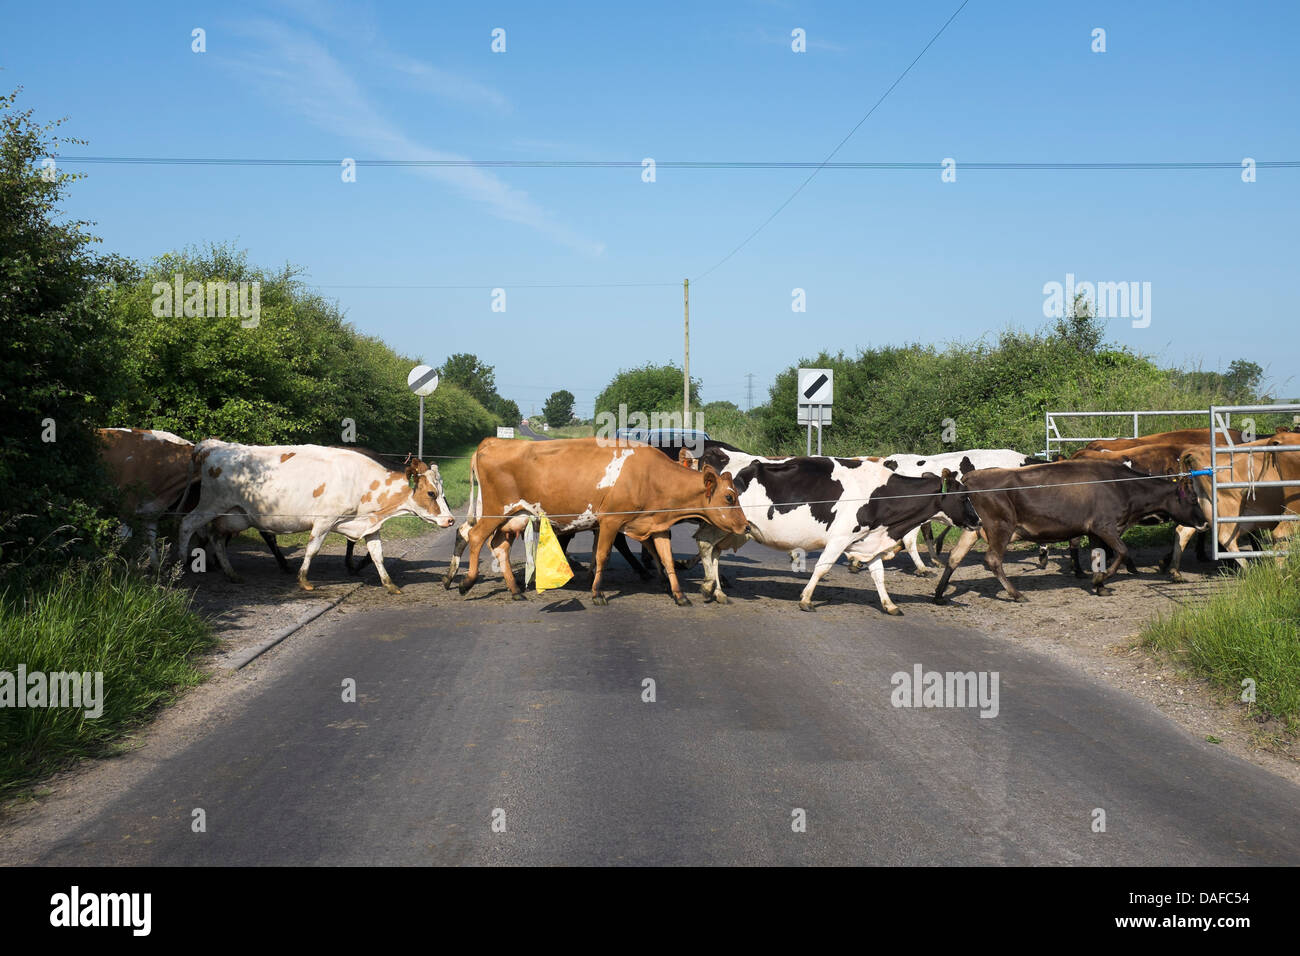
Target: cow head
[426, 492]
[723, 501]
[955, 502]
[1183, 505]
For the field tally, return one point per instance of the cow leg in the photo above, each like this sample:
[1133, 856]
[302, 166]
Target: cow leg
[279, 555]
[1074, 557]
[355, 569]
[664, 547]
[964, 544]
[483, 529]
[1202, 552]
[376, 551]
[313, 545]
[501, 542]
[218, 541]
[998, 542]
[620, 542]
[936, 544]
[830, 554]
[1114, 543]
[877, 569]
[1042, 557]
[909, 540]
[604, 544]
[1182, 535]
[191, 523]
[458, 548]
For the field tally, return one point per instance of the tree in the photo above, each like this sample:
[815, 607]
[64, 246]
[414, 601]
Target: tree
[474, 376]
[558, 410]
[59, 359]
[651, 388]
[1242, 380]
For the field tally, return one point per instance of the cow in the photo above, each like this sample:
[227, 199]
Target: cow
[960, 463]
[1239, 502]
[1067, 499]
[153, 470]
[829, 505]
[1187, 436]
[287, 488]
[589, 484]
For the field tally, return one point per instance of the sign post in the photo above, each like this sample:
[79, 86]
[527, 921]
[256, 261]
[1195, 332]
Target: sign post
[422, 381]
[816, 395]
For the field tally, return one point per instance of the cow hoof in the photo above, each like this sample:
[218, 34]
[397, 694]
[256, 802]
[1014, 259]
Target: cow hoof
[854, 568]
[940, 599]
[923, 572]
[682, 600]
[392, 589]
[304, 585]
[1177, 578]
[1020, 599]
[599, 600]
[806, 606]
[518, 596]
[721, 598]
[464, 587]
[893, 611]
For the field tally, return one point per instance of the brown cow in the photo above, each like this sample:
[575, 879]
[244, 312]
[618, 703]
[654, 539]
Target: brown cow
[589, 484]
[1236, 502]
[1188, 436]
[1066, 499]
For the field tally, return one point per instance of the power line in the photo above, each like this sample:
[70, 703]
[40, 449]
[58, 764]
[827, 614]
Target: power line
[831, 156]
[675, 164]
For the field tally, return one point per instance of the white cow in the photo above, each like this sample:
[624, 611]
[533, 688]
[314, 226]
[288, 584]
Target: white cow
[288, 488]
[828, 505]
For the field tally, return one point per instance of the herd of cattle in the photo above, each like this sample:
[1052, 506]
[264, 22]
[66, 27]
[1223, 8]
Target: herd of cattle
[865, 509]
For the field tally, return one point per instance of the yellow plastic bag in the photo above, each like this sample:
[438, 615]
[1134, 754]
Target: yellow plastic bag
[553, 570]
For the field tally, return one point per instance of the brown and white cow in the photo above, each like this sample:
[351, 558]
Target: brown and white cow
[152, 468]
[1185, 436]
[589, 484]
[288, 488]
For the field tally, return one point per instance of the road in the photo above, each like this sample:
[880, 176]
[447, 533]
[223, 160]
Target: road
[533, 714]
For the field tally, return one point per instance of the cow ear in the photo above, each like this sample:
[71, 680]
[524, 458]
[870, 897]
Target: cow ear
[685, 458]
[710, 481]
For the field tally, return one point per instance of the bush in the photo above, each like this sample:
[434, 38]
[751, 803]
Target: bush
[651, 388]
[901, 399]
[58, 362]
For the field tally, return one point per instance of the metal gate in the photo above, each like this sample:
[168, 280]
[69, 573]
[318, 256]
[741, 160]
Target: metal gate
[1054, 434]
[1219, 417]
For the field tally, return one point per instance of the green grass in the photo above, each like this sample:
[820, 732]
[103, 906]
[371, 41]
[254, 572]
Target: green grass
[1249, 629]
[572, 431]
[138, 632]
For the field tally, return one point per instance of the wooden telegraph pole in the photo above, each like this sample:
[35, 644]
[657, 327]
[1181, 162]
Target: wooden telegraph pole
[686, 365]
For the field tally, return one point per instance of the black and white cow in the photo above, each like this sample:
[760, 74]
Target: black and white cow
[959, 462]
[828, 505]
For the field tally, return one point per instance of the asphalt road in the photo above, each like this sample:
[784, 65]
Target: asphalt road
[470, 706]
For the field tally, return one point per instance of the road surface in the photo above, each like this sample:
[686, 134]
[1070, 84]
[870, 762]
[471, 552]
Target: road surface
[533, 716]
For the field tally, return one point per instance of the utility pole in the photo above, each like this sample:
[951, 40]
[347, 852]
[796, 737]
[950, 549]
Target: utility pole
[749, 391]
[686, 364]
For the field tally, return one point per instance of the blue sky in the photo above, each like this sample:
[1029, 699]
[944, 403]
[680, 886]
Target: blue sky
[884, 256]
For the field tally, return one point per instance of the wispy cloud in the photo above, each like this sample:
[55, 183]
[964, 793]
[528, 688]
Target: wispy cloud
[295, 69]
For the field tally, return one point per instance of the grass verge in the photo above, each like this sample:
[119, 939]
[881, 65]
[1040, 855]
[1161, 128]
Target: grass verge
[1250, 630]
[101, 618]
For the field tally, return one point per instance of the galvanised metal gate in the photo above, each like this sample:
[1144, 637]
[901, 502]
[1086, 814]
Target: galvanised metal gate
[1219, 417]
[1054, 434]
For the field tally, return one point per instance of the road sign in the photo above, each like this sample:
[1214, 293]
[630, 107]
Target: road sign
[816, 386]
[504, 431]
[816, 393]
[422, 380]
